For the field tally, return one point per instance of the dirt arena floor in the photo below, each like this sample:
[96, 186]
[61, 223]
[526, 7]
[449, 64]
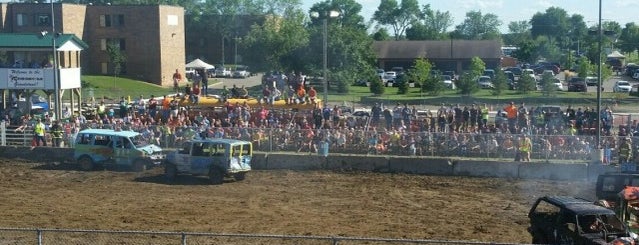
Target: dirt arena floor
[319, 203]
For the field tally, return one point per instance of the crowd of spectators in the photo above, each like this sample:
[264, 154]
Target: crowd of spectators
[451, 130]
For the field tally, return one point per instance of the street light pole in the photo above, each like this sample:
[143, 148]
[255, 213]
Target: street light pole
[56, 80]
[325, 16]
[325, 61]
[235, 58]
[599, 82]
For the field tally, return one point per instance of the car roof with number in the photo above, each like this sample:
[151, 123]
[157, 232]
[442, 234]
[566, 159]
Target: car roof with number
[123, 133]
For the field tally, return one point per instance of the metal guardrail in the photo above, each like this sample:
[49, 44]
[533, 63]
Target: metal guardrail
[80, 236]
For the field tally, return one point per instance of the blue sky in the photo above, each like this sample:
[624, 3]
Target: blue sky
[622, 11]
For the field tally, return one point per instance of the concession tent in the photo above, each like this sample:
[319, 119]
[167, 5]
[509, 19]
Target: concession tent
[199, 64]
[615, 55]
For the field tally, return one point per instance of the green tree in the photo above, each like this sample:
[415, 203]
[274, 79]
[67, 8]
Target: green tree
[116, 57]
[377, 86]
[477, 67]
[519, 32]
[349, 47]
[500, 83]
[276, 41]
[554, 23]
[548, 86]
[381, 35]
[402, 84]
[467, 84]
[526, 51]
[585, 67]
[433, 27]
[478, 26]
[398, 16]
[629, 38]
[421, 74]
[526, 84]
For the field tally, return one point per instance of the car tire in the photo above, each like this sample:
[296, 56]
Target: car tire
[86, 163]
[139, 166]
[170, 172]
[239, 176]
[216, 176]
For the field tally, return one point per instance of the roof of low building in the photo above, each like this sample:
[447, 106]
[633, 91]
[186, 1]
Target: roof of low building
[444, 49]
[19, 41]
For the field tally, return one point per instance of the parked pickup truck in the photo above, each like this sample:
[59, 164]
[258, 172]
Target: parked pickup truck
[571, 220]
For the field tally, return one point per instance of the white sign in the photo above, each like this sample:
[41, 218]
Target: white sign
[25, 79]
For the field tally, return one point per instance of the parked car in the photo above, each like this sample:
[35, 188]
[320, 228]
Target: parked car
[389, 78]
[95, 147]
[221, 71]
[241, 72]
[450, 73]
[448, 81]
[484, 82]
[592, 81]
[509, 75]
[636, 75]
[189, 73]
[398, 70]
[380, 73]
[571, 220]
[529, 72]
[490, 73]
[558, 84]
[547, 67]
[577, 84]
[215, 158]
[515, 70]
[622, 87]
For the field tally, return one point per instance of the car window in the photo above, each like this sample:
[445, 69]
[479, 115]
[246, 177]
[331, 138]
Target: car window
[186, 148]
[139, 141]
[84, 139]
[102, 140]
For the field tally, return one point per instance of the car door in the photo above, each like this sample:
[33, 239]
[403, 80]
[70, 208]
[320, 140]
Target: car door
[123, 150]
[200, 159]
[566, 230]
[182, 157]
[245, 156]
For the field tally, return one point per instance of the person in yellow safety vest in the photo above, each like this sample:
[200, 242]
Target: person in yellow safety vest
[571, 130]
[525, 146]
[625, 151]
[101, 110]
[38, 133]
[484, 115]
[56, 133]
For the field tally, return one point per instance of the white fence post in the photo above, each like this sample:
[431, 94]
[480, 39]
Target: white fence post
[3, 133]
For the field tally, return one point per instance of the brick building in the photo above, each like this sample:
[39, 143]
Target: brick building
[151, 36]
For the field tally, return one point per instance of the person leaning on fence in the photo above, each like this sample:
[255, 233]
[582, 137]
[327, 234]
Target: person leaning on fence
[56, 134]
[525, 146]
[625, 151]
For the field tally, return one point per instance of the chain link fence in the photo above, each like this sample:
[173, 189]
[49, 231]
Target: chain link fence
[17, 236]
